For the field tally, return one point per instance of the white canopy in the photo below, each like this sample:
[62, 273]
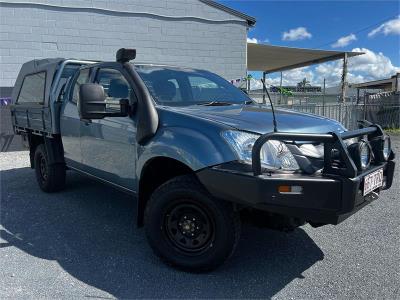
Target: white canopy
[269, 59]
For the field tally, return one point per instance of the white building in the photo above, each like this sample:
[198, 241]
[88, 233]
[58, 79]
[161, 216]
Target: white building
[194, 33]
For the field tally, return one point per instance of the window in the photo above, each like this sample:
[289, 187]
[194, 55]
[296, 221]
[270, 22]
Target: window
[32, 90]
[177, 96]
[203, 89]
[181, 87]
[115, 85]
[83, 77]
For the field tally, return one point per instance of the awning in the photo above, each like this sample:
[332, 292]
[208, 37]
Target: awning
[269, 59]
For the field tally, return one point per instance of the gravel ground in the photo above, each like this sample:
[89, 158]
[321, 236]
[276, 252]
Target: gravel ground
[82, 243]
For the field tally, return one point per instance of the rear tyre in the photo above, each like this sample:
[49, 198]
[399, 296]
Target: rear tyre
[50, 177]
[188, 228]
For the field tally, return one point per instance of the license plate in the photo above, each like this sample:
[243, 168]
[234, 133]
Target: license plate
[373, 181]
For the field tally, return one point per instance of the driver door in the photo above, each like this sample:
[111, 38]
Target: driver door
[109, 145]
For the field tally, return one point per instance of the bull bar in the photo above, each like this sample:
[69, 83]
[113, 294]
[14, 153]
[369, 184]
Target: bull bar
[331, 141]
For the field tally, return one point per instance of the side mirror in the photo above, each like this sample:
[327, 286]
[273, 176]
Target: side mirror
[92, 103]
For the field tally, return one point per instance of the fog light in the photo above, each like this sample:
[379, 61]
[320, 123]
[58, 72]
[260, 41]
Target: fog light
[361, 154]
[290, 189]
[365, 154]
[386, 148]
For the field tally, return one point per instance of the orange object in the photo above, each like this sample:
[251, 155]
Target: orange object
[284, 189]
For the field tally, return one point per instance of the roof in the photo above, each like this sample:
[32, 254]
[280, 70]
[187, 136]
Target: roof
[251, 21]
[269, 59]
[383, 84]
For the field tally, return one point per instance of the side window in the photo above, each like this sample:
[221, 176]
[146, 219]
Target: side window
[32, 90]
[115, 85]
[82, 78]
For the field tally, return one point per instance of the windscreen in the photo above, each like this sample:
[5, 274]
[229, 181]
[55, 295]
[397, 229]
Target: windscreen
[181, 87]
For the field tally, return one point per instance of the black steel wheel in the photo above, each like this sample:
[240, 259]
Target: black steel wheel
[50, 177]
[188, 228]
[43, 168]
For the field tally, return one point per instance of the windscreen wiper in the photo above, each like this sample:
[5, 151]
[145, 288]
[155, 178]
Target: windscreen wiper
[215, 103]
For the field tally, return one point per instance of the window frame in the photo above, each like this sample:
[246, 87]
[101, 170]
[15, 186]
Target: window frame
[43, 103]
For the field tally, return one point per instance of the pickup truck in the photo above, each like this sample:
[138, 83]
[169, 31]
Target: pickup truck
[197, 154]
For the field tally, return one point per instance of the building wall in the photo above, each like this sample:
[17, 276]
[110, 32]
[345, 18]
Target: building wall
[179, 32]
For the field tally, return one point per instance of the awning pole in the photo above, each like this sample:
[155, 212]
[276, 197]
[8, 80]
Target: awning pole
[344, 77]
[264, 87]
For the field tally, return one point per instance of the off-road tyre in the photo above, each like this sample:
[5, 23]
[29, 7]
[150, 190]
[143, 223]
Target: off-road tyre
[50, 177]
[188, 228]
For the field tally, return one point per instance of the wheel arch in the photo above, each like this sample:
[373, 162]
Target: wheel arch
[53, 146]
[155, 172]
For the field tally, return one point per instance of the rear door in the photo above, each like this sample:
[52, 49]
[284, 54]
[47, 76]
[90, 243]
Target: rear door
[109, 145]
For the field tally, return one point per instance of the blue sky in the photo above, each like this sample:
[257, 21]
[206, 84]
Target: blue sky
[373, 26]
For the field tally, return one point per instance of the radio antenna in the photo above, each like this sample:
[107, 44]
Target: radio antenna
[272, 107]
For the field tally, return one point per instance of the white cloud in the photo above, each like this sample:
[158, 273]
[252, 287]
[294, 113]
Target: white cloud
[252, 40]
[296, 34]
[344, 41]
[389, 27]
[292, 77]
[370, 66]
[367, 67]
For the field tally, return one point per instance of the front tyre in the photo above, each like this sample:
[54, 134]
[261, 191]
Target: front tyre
[188, 228]
[50, 177]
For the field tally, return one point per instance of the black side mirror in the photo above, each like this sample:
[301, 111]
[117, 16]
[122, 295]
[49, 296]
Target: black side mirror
[92, 103]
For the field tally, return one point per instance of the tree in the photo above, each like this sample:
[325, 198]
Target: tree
[303, 84]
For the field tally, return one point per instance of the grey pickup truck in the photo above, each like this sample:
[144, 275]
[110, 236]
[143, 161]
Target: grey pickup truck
[197, 154]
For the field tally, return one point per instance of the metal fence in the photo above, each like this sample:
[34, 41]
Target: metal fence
[387, 115]
[381, 108]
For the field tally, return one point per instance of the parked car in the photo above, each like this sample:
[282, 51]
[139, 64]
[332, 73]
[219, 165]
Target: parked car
[196, 153]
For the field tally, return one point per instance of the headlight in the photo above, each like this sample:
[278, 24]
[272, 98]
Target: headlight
[274, 154]
[310, 150]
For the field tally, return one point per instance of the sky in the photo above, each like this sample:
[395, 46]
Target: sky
[368, 26]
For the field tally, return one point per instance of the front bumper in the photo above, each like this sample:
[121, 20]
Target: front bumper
[324, 199]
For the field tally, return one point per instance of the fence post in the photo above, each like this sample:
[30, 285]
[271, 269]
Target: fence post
[323, 101]
[344, 78]
[365, 106]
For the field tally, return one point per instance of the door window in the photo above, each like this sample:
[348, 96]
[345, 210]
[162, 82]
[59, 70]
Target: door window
[82, 78]
[115, 85]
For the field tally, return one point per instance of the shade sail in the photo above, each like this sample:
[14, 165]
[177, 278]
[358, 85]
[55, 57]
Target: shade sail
[269, 59]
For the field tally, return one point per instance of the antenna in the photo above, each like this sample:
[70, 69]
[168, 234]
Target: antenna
[272, 107]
